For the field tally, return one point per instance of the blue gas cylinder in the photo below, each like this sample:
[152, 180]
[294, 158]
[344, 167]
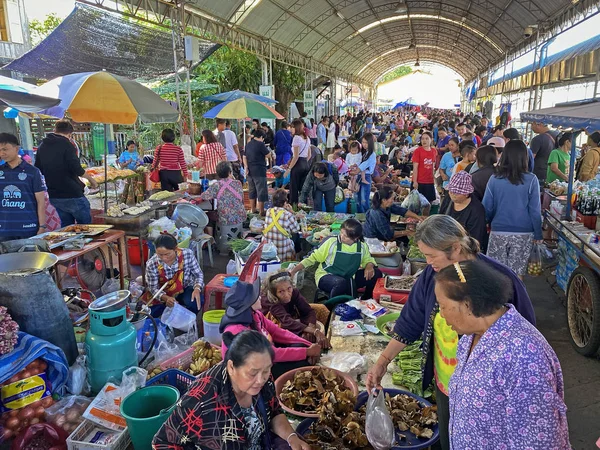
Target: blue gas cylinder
[110, 347]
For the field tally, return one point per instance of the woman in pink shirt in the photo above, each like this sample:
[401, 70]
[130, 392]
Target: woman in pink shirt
[244, 313]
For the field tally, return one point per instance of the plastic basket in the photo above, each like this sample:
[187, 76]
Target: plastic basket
[182, 360]
[74, 441]
[173, 377]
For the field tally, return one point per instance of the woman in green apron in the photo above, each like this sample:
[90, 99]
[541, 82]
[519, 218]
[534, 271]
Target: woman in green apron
[345, 264]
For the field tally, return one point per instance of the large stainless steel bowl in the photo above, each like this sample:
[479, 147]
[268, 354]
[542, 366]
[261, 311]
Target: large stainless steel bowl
[188, 215]
[26, 263]
[110, 302]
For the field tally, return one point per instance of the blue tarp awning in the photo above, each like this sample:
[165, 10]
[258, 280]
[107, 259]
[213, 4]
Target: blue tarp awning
[584, 114]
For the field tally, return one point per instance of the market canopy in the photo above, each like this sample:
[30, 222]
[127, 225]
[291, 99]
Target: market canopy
[584, 114]
[91, 39]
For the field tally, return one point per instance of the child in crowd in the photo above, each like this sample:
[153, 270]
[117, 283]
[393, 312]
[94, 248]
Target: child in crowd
[468, 153]
[339, 162]
[354, 158]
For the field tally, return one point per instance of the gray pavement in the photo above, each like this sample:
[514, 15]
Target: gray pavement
[581, 374]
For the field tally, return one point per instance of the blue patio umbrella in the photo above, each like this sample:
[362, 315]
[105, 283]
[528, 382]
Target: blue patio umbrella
[23, 97]
[235, 94]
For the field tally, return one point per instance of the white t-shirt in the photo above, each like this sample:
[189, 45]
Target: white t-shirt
[353, 159]
[303, 146]
[230, 141]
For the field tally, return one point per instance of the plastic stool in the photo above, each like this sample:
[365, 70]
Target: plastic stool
[204, 239]
[216, 287]
[226, 233]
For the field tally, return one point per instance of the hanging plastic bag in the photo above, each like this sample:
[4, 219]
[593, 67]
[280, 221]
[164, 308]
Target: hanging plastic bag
[379, 426]
[415, 202]
[77, 383]
[534, 265]
[178, 317]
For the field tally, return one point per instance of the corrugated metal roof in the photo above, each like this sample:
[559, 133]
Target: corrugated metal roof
[330, 31]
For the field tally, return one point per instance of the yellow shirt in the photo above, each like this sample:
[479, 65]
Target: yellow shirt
[445, 341]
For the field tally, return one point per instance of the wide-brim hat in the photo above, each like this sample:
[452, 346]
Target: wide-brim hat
[241, 297]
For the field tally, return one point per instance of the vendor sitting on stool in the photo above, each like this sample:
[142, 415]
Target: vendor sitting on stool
[284, 305]
[377, 224]
[345, 264]
[178, 267]
[244, 313]
[280, 226]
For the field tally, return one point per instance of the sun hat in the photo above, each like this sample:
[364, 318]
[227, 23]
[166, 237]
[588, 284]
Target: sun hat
[241, 297]
[496, 141]
[461, 183]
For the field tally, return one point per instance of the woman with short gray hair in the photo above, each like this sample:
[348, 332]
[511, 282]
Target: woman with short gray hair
[444, 242]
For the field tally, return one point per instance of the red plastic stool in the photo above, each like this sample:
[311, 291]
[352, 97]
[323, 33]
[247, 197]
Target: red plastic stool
[216, 287]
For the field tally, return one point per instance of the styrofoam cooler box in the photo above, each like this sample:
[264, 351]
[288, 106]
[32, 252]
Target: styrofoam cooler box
[266, 267]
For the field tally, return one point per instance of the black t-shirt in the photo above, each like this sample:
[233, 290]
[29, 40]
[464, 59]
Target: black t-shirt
[541, 146]
[480, 179]
[472, 218]
[57, 159]
[255, 155]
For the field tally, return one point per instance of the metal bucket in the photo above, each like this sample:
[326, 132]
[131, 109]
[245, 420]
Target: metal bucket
[26, 263]
[191, 216]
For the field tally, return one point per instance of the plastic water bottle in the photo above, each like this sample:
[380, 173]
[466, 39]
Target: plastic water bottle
[146, 341]
[352, 206]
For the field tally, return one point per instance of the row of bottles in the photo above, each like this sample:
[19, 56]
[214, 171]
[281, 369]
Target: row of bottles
[588, 203]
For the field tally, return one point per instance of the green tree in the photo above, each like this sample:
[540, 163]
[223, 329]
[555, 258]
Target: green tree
[398, 72]
[232, 69]
[289, 85]
[39, 29]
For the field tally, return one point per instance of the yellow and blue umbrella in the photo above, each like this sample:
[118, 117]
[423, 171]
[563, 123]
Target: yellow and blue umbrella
[235, 94]
[103, 97]
[242, 108]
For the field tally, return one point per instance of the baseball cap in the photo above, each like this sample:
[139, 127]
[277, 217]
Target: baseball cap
[496, 141]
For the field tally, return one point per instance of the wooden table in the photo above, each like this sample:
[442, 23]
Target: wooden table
[107, 238]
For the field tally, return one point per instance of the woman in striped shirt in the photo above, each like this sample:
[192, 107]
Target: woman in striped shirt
[171, 162]
[209, 152]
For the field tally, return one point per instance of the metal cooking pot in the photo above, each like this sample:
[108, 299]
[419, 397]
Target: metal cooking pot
[26, 263]
[191, 216]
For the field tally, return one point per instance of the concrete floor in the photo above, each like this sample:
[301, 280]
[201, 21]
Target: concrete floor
[581, 374]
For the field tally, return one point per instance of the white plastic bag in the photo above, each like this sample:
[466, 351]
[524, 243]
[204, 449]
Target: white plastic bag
[351, 363]
[415, 202]
[164, 224]
[231, 267]
[178, 317]
[379, 426]
[350, 328]
[375, 245]
[77, 381]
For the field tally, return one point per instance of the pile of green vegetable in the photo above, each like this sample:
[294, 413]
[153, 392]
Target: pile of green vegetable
[237, 245]
[414, 252]
[409, 361]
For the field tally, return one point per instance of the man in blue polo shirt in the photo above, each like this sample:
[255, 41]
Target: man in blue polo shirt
[22, 190]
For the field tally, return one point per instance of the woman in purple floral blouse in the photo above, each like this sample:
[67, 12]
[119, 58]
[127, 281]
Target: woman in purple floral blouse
[507, 389]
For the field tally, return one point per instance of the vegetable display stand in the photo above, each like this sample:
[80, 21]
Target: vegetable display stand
[583, 288]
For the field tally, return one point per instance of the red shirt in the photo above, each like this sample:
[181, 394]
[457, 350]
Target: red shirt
[170, 157]
[426, 160]
[209, 155]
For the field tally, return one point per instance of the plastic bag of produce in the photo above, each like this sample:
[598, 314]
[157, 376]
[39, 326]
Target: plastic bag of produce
[534, 265]
[164, 224]
[67, 414]
[415, 202]
[40, 436]
[379, 426]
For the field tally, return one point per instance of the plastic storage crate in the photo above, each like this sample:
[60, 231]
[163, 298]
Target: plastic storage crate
[173, 377]
[74, 441]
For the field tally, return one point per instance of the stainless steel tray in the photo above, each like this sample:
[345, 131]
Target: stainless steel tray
[94, 230]
[52, 245]
[391, 278]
